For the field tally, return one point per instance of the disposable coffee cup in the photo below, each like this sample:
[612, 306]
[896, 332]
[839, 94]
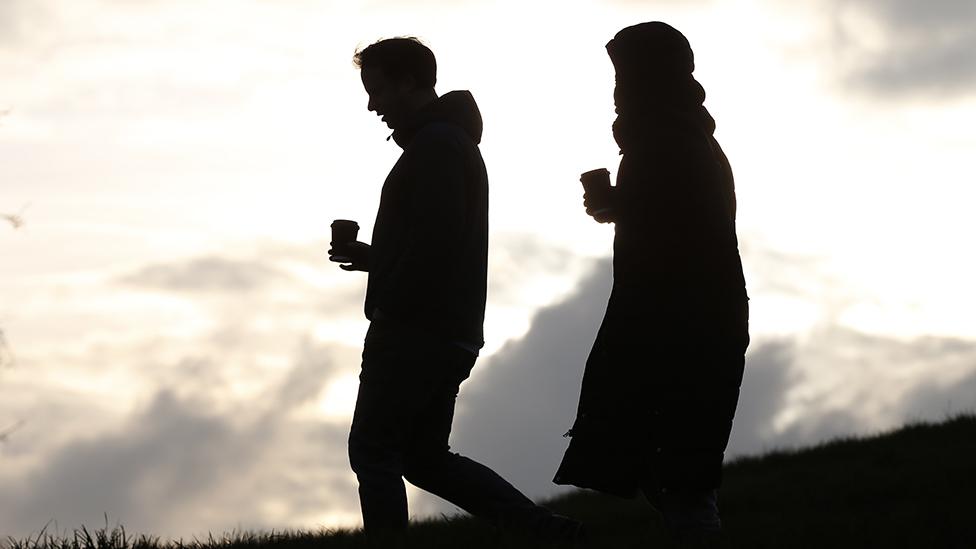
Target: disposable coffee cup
[596, 183]
[344, 232]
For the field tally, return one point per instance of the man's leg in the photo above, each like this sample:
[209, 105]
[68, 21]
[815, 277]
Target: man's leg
[430, 465]
[375, 460]
[393, 386]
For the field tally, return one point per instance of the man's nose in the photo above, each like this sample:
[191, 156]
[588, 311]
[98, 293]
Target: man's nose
[370, 106]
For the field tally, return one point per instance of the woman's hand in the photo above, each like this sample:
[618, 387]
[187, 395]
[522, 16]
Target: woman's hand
[600, 206]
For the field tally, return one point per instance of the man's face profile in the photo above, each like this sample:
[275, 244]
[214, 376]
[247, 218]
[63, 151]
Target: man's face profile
[387, 98]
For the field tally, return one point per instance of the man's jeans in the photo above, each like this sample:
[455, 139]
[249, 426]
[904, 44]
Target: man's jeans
[407, 390]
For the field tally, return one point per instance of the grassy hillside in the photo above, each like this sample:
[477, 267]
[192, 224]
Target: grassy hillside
[915, 487]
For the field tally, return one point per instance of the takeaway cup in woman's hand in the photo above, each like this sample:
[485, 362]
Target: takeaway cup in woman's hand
[596, 193]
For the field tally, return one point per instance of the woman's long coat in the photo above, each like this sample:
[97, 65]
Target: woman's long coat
[662, 380]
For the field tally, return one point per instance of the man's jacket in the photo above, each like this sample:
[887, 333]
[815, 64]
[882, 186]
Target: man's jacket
[429, 250]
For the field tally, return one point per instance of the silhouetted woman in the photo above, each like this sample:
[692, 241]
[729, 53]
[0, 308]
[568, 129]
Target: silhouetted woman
[662, 380]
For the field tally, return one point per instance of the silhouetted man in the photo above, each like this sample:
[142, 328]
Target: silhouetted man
[425, 299]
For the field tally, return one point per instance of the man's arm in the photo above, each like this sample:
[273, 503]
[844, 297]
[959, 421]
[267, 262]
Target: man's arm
[355, 254]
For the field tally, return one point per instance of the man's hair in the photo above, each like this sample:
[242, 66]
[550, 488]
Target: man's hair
[398, 58]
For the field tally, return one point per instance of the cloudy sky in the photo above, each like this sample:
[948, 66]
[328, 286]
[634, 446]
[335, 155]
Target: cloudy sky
[177, 353]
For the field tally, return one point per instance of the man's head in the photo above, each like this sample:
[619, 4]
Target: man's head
[399, 76]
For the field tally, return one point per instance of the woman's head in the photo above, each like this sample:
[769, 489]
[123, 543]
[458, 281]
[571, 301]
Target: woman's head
[654, 65]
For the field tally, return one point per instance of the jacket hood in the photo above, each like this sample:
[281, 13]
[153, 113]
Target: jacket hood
[456, 107]
[651, 50]
[655, 90]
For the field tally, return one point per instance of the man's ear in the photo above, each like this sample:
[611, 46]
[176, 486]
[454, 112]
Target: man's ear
[406, 84]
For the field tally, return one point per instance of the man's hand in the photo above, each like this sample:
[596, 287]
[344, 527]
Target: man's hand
[599, 207]
[356, 254]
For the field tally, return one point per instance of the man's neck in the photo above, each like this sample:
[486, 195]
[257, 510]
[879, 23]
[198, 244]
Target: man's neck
[420, 100]
[415, 104]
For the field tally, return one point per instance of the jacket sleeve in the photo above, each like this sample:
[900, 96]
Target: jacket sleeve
[435, 211]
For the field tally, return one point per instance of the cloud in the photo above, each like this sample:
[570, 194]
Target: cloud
[798, 390]
[513, 411]
[931, 399]
[762, 396]
[516, 406]
[170, 453]
[225, 435]
[6, 354]
[183, 465]
[661, 3]
[902, 48]
[17, 17]
[209, 411]
[206, 274]
[267, 283]
[517, 260]
[314, 366]
[518, 403]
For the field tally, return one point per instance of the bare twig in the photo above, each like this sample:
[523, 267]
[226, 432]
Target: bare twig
[5, 434]
[7, 358]
[6, 355]
[16, 220]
